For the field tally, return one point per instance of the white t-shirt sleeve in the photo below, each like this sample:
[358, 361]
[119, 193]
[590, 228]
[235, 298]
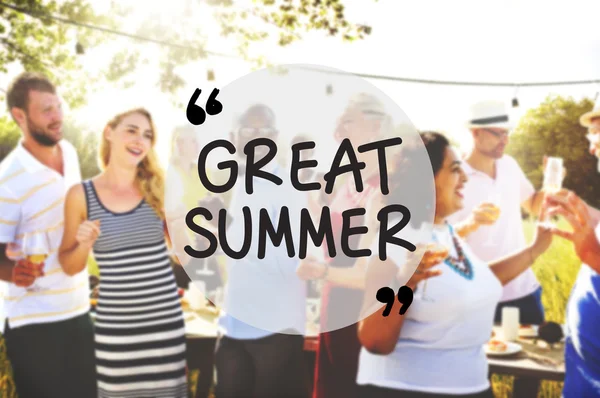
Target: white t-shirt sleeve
[10, 215]
[526, 189]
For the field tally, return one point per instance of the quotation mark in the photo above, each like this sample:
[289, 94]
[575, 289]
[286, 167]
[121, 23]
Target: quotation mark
[386, 295]
[196, 114]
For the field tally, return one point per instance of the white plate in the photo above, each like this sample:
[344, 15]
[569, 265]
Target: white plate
[511, 349]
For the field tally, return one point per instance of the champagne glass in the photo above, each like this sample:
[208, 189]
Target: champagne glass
[553, 177]
[435, 248]
[494, 199]
[440, 252]
[36, 248]
[205, 271]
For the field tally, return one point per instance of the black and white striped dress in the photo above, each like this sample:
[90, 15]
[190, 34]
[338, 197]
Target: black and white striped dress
[139, 328]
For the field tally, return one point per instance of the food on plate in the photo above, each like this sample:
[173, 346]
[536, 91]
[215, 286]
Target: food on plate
[497, 346]
[526, 327]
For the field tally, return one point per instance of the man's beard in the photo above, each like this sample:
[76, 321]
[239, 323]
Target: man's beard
[494, 153]
[38, 134]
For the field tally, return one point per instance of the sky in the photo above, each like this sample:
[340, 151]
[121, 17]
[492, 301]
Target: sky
[463, 40]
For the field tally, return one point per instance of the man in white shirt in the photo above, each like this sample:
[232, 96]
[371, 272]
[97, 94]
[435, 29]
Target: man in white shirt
[496, 177]
[48, 332]
[260, 352]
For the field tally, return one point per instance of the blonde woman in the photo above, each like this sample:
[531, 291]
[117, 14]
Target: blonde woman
[139, 330]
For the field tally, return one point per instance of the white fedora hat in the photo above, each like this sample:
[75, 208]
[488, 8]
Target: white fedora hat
[489, 113]
[586, 118]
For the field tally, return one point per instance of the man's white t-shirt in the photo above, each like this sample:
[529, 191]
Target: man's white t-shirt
[441, 345]
[32, 202]
[491, 242]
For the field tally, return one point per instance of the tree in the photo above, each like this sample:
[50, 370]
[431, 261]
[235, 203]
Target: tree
[553, 129]
[45, 45]
[52, 45]
[85, 144]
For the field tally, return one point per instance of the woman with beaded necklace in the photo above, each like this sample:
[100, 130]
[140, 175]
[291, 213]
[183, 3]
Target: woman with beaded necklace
[436, 348]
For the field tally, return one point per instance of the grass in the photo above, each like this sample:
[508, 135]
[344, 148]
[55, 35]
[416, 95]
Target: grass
[556, 270]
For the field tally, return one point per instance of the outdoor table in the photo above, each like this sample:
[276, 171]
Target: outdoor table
[536, 362]
[528, 367]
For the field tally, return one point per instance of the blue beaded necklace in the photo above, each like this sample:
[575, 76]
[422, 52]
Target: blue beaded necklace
[460, 265]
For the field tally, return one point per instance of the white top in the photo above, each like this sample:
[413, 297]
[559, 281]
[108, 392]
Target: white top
[441, 344]
[264, 296]
[32, 201]
[491, 242]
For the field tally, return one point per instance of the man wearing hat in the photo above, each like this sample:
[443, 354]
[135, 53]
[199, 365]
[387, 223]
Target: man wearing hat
[496, 177]
[582, 348]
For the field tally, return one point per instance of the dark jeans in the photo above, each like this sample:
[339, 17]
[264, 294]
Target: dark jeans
[370, 391]
[531, 310]
[269, 367]
[51, 360]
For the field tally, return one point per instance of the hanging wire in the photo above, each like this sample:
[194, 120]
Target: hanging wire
[46, 16]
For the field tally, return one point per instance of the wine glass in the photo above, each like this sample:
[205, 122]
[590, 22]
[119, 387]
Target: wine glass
[493, 198]
[442, 252]
[553, 177]
[205, 271]
[312, 314]
[435, 247]
[36, 248]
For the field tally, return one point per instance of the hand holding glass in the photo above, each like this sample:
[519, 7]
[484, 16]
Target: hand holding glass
[493, 200]
[36, 248]
[435, 253]
[594, 139]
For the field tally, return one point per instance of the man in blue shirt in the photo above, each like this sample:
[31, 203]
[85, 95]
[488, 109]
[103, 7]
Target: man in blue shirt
[582, 350]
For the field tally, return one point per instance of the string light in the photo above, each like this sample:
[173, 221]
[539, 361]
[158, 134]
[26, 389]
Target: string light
[42, 16]
[515, 100]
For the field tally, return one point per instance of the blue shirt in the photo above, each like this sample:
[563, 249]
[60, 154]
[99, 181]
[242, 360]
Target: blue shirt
[582, 351]
[264, 296]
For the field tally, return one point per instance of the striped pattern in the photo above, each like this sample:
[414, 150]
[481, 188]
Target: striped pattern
[140, 331]
[32, 202]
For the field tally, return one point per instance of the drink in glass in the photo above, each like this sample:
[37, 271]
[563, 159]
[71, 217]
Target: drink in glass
[553, 177]
[439, 253]
[36, 248]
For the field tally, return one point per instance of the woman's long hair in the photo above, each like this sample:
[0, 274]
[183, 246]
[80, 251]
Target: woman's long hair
[150, 178]
[411, 188]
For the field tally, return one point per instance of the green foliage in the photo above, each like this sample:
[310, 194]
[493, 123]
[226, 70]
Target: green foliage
[553, 129]
[43, 44]
[7, 384]
[86, 144]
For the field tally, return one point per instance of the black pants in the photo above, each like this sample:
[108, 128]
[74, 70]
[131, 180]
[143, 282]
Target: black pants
[371, 391]
[269, 367]
[531, 310]
[53, 360]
